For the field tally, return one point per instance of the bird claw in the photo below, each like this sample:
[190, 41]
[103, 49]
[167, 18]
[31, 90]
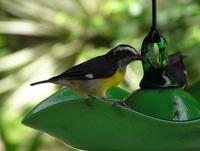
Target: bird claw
[119, 103]
[116, 102]
[89, 100]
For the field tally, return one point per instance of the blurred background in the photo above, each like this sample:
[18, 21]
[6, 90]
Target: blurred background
[42, 38]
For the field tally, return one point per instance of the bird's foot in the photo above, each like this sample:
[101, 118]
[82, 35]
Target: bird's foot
[119, 103]
[89, 100]
[116, 102]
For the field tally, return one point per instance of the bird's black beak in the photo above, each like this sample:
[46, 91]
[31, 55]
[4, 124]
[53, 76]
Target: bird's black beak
[141, 58]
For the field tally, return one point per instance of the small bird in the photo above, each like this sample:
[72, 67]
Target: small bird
[95, 76]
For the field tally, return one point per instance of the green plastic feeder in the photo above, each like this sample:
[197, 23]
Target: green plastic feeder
[102, 127]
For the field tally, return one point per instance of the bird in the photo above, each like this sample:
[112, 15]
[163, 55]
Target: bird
[95, 76]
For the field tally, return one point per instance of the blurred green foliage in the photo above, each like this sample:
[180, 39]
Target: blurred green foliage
[42, 38]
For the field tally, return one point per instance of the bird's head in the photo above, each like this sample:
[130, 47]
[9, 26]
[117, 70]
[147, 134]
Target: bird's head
[125, 54]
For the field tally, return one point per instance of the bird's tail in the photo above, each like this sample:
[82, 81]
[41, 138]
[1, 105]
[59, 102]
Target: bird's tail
[39, 82]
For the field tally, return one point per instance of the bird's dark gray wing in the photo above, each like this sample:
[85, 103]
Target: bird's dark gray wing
[98, 67]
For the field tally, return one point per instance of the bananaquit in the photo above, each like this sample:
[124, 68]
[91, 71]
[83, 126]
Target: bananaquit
[95, 76]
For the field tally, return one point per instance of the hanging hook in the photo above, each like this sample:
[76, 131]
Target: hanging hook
[154, 16]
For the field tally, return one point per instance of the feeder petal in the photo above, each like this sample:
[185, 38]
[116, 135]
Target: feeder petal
[169, 104]
[100, 127]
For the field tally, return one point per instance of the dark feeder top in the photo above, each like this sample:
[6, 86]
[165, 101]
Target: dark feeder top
[161, 71]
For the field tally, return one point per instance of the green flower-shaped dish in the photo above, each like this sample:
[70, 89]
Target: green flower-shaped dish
[102, 127]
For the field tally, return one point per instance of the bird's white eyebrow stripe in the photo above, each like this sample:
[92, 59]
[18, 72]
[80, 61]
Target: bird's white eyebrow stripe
[127, 48]
[89, 75]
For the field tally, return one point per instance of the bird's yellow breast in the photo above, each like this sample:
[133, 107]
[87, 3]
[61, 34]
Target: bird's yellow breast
[97, 87]
[113, 80]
